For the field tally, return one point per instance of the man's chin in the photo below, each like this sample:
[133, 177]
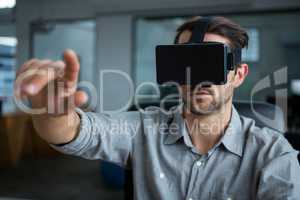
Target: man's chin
[203, 108]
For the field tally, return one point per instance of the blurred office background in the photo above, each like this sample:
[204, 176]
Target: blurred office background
[122, 35]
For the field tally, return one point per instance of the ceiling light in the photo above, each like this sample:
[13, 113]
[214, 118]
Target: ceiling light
[7, 3]
[8, 41]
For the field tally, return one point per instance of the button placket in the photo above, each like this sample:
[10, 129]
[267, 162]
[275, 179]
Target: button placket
[200, 163]
[196, 175]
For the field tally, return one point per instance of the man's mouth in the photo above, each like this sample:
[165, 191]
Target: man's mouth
[202, 92]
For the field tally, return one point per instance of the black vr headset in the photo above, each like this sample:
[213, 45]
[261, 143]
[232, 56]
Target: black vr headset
[196, 62]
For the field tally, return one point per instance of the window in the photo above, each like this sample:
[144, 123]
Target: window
[269, 49]
[7, 72]
[50, 39]
[7, 3]
[251, 54]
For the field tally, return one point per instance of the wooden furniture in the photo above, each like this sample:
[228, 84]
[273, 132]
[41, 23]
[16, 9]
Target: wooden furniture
[18, 139]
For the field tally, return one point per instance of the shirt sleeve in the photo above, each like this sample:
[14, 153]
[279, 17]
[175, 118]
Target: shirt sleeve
[280, 178]
[104, 137]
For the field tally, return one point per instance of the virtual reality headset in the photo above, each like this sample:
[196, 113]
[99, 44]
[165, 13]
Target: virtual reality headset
[196, 62]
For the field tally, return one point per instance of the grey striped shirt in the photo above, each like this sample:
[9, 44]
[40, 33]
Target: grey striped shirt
[248, 162]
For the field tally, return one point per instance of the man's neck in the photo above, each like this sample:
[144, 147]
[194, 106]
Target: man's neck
[206, 130]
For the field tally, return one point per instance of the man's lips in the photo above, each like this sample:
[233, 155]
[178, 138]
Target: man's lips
[202, 92]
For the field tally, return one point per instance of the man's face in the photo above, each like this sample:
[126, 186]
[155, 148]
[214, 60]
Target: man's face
[208, 99]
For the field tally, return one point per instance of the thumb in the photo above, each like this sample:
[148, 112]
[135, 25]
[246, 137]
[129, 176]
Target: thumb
[80, 98]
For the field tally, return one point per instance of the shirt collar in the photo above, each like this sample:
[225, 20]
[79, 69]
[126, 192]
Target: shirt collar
[175, 126]
[233, 138]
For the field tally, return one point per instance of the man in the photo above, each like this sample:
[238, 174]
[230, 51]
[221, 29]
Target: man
[202, 151]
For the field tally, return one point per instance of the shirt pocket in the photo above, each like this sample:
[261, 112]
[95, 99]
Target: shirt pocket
[221, 196]
[218, 195]
[223, 190]
[163, 180]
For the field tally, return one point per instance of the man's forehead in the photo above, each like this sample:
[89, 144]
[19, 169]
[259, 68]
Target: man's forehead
[184, 37]
[208, 37]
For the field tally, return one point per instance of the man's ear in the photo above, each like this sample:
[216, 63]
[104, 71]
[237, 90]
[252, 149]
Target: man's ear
[240, 75]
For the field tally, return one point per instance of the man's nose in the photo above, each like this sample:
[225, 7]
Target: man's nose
[206, 85]
[202, 85]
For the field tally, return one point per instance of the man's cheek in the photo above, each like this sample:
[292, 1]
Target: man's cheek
[221, 93]
[228, 90]
[230, 76]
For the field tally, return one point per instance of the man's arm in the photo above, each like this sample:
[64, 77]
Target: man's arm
[63, 125]
[57, 129]
[105, 137]
[58, 123]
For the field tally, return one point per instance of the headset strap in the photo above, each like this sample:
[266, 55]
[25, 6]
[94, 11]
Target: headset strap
[198, 33]
[200, 28]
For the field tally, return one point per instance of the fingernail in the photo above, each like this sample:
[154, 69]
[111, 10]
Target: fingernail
[30, 89]
[85, 98]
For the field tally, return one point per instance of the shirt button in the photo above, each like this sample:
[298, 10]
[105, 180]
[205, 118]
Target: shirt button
[229, 198]
[190, 199]
[199, 163]
[161, 175]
